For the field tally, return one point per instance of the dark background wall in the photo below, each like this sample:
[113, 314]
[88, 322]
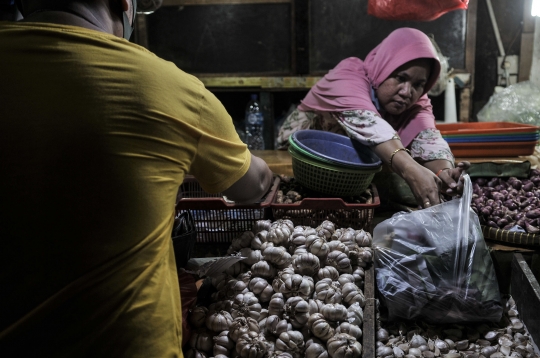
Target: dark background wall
[312, 36]
[309, 37]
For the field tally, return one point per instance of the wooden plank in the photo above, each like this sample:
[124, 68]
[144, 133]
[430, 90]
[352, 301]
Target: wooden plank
[465, 104]
[528, 19]
[220, 2]
[525, 57]
[470, 54]
[262, 82]
[527, 43]
[370, 317]
[526, 292]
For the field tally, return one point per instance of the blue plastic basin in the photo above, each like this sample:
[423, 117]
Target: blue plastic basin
[336, 148]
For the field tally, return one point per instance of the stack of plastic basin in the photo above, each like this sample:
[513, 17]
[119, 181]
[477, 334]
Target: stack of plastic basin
[490, 139]
[331, 163]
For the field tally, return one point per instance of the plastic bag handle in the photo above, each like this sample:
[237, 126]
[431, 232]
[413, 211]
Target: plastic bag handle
[461, 266]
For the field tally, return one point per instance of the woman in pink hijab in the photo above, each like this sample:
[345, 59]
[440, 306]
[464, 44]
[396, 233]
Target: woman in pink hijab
[382, 102]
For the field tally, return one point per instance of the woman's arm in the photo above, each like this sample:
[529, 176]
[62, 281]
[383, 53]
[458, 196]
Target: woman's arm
[370, 129]
[431, 150]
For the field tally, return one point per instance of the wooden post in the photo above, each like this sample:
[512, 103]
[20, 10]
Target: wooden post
[526, 292]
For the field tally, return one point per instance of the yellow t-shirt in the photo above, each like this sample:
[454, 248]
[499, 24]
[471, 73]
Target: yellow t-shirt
[96, 134]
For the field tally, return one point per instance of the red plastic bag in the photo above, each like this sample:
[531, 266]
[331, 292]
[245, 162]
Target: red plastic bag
[413, 10]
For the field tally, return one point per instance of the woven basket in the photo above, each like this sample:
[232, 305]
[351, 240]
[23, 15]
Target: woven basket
[511, 237]
[330, 179]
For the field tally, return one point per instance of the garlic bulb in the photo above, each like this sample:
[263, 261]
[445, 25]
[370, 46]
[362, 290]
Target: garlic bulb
[275, 326]
[223, 344]
[328, 291]
[245, 276]
[297, 285]
[280, 278]
[259, 240]
[328, 272]
[276, 304]
[246, 305]
[251, 256]
[363, 238]
[278, 354]
[292, 342]
[338, 246]
[316, 350]
[261, 225]
[340, 261]
[202, 341]
[242, 325]
[343, 345]
[263, 269]
[252, 345]
[345, 277]
[317, 246]
[306, 264]
[296, 311]
[219, 321]
[334, 312]
[261, 288]
[315, 306]
[347, 238]
[358, 274]
[277, 256]
[326, 229]
[197, 316]
[351, 294]
[233, 288]
[320, 327]
[351, 329]
[355, 314]
[299, 235]
[280, 231]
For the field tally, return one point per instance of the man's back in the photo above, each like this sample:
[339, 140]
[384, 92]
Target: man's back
[92, 153]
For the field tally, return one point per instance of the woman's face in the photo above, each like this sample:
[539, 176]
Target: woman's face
[404, 86]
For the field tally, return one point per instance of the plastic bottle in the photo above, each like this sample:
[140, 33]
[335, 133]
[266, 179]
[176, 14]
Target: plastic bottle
[254, 122]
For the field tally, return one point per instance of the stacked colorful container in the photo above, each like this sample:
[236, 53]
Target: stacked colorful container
[490, 139]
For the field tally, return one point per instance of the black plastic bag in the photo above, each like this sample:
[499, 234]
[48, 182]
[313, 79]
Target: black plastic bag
[433, 264]
[184, 236]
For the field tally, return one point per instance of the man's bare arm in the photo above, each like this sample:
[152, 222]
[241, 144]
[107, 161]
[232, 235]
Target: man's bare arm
[253, 185]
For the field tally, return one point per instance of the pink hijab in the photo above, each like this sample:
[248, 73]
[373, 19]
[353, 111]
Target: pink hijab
[348, 85]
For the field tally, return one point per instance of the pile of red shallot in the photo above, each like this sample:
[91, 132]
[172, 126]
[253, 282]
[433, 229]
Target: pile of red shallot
[508, 202]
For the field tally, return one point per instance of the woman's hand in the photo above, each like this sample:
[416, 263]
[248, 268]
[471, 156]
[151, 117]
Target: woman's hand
[452, 181]
[424, 184]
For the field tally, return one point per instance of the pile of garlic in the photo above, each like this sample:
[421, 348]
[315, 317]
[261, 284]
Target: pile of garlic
[482, 340]
[298, 293]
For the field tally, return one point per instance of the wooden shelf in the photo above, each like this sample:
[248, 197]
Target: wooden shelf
[219, 2]
[260, 82]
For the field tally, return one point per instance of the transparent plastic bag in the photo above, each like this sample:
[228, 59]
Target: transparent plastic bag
[433, 264]
[518, 103]
[414, 10]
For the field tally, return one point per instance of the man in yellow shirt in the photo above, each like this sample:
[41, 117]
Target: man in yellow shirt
[96, 135]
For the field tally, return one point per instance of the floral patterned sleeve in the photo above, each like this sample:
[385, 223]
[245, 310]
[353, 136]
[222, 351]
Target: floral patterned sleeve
[430, 145]
[298, 120]
[367, 127]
